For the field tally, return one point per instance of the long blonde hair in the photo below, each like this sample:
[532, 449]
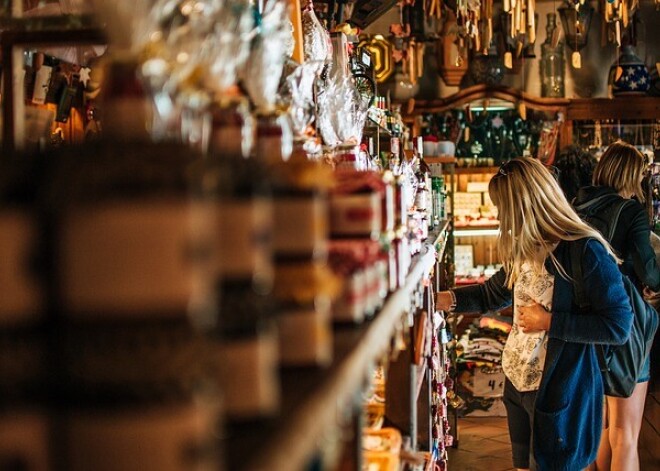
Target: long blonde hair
[621, 167]
[534, 215]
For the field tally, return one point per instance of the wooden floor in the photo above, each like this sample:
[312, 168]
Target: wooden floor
[484, 445]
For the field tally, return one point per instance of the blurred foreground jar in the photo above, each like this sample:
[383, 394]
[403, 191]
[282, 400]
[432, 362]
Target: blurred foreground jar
[23, 415]
[244, 339]
[130, 265]
[303, 284]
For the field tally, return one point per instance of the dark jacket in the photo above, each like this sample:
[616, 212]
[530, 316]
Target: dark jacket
[569, 402]
[631, 238]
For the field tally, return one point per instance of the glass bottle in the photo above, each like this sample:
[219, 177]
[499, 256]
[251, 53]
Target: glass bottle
[552, 61]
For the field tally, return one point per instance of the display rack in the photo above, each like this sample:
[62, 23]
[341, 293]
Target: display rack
[634, 107]
[312, 398]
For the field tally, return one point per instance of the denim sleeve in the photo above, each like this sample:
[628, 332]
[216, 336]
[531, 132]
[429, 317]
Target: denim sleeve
[641, 251]
[610, 314]
[491, 296]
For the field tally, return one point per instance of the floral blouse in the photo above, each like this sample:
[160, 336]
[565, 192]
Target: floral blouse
[524, 353]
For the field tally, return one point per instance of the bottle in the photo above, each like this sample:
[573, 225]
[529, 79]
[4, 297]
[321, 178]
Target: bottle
[552, 61]
[440, 199]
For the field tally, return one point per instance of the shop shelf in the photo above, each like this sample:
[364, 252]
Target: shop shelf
[312, 398]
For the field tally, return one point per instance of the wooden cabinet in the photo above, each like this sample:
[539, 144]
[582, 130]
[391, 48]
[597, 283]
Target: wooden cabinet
[566, 109]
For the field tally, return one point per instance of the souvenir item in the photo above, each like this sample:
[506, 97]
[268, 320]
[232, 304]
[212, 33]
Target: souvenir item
[629, 75]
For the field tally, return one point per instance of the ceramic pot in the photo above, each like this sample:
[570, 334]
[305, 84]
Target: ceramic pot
[629, 75]
[446, 148]
[487, 69]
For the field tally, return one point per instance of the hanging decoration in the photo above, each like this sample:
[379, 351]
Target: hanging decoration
[453, 63]
[381, 54]
[618, 16]
[576, 21]
[519, 24]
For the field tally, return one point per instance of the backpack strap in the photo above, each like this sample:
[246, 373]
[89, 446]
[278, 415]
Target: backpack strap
[576, 252]
[618, 205]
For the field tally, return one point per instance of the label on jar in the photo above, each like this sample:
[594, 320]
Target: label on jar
[305, 336]
[358, 214]
[161, 438]
[120, 259]
[24, 441]
[300, 225]
[352, 303]
[245, 238]
[250, 364]
[21, 297]
[227, 140]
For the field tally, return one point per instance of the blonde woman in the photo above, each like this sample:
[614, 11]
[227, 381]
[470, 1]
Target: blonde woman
[618, 176]
[553, 390]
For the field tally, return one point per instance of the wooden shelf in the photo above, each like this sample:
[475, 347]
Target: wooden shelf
[632, 107]
[476, 170]
[372, 127]
[312, 398]
[440, 159]
[629, 107]
[482, 91]
[476, 231]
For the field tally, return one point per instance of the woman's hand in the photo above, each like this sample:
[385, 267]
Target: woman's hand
[443, 301]
[533, 318]
[650, 294]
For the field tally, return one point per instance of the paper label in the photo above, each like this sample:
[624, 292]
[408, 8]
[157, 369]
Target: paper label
[358, 214]
[301, 225]
[41, 84]
[245, 237]
[124, 258]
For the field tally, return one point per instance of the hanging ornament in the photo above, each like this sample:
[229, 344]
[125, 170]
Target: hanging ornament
[508, 60]
[576, 60]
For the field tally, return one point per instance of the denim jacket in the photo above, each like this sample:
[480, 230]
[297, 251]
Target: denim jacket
[569, 402]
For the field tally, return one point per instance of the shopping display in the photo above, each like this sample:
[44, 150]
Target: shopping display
[224, 224]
